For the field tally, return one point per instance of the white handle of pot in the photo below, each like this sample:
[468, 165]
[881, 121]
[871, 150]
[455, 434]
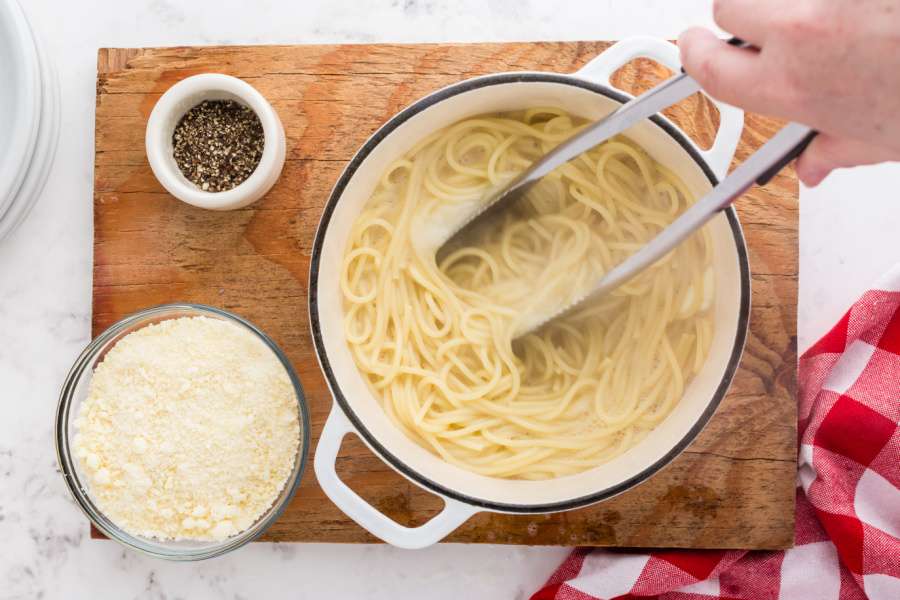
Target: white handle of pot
[455, 513]
[731, 121]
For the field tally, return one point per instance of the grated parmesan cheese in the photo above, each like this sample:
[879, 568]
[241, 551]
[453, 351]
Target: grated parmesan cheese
[189, 431]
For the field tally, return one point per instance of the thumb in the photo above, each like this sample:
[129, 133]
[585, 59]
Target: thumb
[827, 153]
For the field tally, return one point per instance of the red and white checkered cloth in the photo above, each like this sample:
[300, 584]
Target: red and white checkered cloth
[848, 489]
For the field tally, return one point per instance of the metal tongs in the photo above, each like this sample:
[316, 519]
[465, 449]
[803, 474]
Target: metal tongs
[760, 167]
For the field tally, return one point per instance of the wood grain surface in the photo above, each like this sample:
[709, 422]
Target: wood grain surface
[732, 488]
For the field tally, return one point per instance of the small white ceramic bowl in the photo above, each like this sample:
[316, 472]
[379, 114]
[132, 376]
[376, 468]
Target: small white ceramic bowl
[181, 98]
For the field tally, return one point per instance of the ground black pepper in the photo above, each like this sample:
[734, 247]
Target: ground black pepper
[218, 144]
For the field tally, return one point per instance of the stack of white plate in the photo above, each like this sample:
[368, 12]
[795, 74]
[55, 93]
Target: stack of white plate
[29, 117]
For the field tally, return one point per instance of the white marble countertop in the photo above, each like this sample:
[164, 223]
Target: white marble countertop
[849, 235]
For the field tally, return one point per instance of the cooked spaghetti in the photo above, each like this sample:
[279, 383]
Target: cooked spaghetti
[438, 343]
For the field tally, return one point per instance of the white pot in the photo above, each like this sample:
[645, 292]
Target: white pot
[587, 93]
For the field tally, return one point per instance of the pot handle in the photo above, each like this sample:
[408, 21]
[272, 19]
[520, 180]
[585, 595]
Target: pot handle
[731, 122]
[455, 513]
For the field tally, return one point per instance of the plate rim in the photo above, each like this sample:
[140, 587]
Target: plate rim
[28, 97]
[37, 172]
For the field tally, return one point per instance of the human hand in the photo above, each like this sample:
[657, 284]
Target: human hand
[833, 65]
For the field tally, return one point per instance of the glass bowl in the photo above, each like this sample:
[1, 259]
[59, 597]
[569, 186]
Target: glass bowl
[74, 392]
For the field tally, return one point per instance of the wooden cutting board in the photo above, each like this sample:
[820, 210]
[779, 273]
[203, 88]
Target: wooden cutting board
[734, 486]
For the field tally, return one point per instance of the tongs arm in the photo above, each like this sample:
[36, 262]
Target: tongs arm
[760, 167]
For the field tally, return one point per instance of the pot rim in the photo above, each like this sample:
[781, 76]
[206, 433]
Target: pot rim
[337, 192]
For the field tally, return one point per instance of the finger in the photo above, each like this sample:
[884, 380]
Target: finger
[746, 19]
[733, 75]
[827, 153]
